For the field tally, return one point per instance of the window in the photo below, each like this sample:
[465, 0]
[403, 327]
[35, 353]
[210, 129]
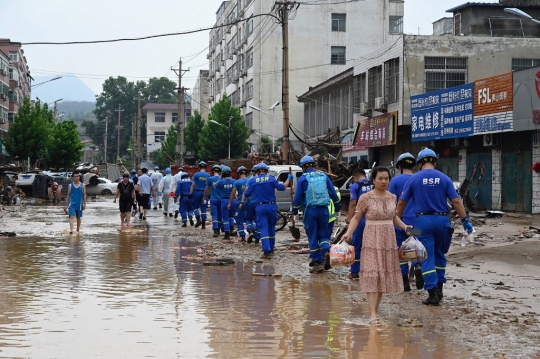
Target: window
[444, 72]
[249, 27]
[159, 116]
[235, 98]
[338, 55]
[374, 85]
[11, 117]
[188, 116]
[159, 136]
[14, 74]
[4, 89]
[391, 80]
[359, 91]
[249, 120]
[14, 56]
[339, 22]
[396, 25]
[457, 24]
[520, 64]
[13, 96]
[249, 58]
[248, 2]
[174, 117]
[249, 90]
[3, 114]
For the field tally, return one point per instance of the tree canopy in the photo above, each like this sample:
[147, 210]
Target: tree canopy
[65, 147]
[192, 134]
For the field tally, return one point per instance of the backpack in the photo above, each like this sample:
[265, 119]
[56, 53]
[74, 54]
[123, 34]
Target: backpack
[364, 184]
[317, 192]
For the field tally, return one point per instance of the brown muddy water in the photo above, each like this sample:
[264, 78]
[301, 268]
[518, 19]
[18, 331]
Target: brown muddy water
[137, 293]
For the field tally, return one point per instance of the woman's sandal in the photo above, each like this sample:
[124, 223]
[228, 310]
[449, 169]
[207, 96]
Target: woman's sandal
[376, 322]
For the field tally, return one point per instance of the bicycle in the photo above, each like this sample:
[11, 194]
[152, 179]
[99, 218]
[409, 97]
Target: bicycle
[283, 219]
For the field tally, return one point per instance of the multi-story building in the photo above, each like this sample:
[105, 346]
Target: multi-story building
[159, 118]
[199, 96]
[324, 39]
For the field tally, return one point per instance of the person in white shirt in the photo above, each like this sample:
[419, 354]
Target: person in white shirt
[177, 178]
[166, 188]
[156, 179]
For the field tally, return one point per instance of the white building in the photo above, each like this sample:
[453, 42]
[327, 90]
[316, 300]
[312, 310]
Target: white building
[325, 38]
[199, 96]
[159, 118]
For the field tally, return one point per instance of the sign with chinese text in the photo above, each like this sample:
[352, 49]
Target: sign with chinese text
[443, 114]
[376, 131]
[493, 104]
[347, 144]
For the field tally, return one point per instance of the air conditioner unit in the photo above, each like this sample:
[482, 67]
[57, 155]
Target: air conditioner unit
[362, 107]
[229, 29]
[208, 56]
[3, 96]
[490, 140]
[244, 73]
[222, 62]
[245, 41]
[211, 98]
[208, 80]
[235, 52]
[379, 103]
[231, 57]
[243, 104]
[3, 72]
[241, 13]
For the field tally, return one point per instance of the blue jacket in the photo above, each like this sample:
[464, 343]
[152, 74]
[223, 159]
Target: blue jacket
[264, 186]
[225, 187]
[200, 179]
[183, 188]
[215, 195]
[299, 200]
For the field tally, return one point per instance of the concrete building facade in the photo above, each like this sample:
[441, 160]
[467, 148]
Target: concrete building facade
[324, 39]
[200, 93]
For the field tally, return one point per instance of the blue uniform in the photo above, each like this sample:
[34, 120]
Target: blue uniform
[266, 210]
[200, 179]
[225, 187]
[240, 186]
[182, 190]
[357, 189]
[315, 218]
[430, 189]
[215, 201]
[250, 203]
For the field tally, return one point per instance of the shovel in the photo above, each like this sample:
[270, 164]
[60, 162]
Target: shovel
[295, 232]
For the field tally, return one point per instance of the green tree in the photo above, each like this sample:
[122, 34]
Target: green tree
[165, 155]
[30, 133]
[65, 147]
[160, 90]
[265, 144]
[230, 128]
[193, 132]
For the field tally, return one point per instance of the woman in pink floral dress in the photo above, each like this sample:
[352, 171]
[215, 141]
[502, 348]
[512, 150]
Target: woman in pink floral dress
[380, 272]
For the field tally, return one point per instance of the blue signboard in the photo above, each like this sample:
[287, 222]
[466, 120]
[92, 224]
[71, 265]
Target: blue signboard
[443, 114]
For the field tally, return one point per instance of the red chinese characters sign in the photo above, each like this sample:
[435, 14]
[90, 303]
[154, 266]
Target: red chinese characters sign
[376, 131]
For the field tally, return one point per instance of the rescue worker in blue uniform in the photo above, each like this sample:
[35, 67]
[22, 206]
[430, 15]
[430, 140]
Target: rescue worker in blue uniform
[264, 186]
[361, 185]
[316, 214]
[430, 190]
[236, 195]
[197, 195]
[215, 199]
[405, 164]
[249, 205]
[182, 190]
[133, 174]
[225, 186]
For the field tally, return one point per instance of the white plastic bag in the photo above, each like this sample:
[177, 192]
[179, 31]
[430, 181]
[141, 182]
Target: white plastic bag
[412, 250]
[467, 238]
[341, 253]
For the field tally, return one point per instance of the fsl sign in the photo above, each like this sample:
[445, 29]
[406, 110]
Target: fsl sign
[376, 131]
[493, 104]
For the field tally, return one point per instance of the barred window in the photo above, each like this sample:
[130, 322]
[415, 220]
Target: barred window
[249, 58]
[374, 85]
[359, 91]
[248, 119]
[249, 90]
[520, 64]
[159, 136]
[159, 117]
[444, 72]
[249, 27]
[391, 80]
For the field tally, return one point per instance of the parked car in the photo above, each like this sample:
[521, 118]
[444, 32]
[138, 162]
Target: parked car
[103, 187]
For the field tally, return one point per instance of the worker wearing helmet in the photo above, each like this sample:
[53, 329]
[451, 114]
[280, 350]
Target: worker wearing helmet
[264, 186]
[236, 195]
[156, 179]
[430, 190]
[177, 178]
[225, 186]
[314, 193]
[215, 199]
[405, 164]
[165, 188]
[197, 194]
[249, 204]
[133, 173]
[182, 190]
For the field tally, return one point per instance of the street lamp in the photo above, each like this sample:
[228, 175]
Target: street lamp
[220, 124]
[522, 14]
[273, 108]
[44, 82]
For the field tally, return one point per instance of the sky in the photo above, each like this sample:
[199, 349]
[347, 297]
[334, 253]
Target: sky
[76, 20]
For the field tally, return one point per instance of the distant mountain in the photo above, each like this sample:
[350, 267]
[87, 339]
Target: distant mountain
[77, 110]
[69, 88]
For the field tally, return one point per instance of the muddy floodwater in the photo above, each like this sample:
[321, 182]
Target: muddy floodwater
[140, 292]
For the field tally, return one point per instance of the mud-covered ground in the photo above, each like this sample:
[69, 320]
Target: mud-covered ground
[492, 298]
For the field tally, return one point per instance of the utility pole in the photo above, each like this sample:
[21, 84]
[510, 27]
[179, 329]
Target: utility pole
[118, 134]
[105, 140]
[180, 148]
[138, 132]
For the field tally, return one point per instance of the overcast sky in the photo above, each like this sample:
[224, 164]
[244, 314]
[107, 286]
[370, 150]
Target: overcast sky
[76, 20]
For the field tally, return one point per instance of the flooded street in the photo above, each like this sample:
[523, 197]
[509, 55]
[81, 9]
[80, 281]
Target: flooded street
[142, 292]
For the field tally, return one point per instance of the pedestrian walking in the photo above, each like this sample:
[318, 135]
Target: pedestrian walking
[430, 190]
[146, 190]
[405, 164]
[313, 194]
[182, 190]
[166, 189]
[197, 195]
[249, 205]
[236, 196]
[225, 187]
[361, 186]
[176, 178]
[156, 179]
[264, 186]
[76, 201]
[126, 191]
[380, 271]
[215, 199]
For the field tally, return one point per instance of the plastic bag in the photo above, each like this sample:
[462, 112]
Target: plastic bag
[467, 238]
[412, 250]
[341, 253]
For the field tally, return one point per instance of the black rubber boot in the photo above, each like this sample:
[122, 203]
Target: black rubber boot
[160, 206]
[327, 265]
[184, 225]
[165, 214]
[257, 240]
[250, 238]
[203, 224]
[198, 222]
[433, 299]
[419, 277]
[440, 290]
[191, 221]
[227, 235]
[175, 214]
[406, 284]
[216, 233]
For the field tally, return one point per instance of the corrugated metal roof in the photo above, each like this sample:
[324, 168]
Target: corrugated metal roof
[164, 106]
[469, 4]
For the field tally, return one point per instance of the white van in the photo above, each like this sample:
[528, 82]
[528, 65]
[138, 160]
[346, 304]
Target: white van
[281, 172]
